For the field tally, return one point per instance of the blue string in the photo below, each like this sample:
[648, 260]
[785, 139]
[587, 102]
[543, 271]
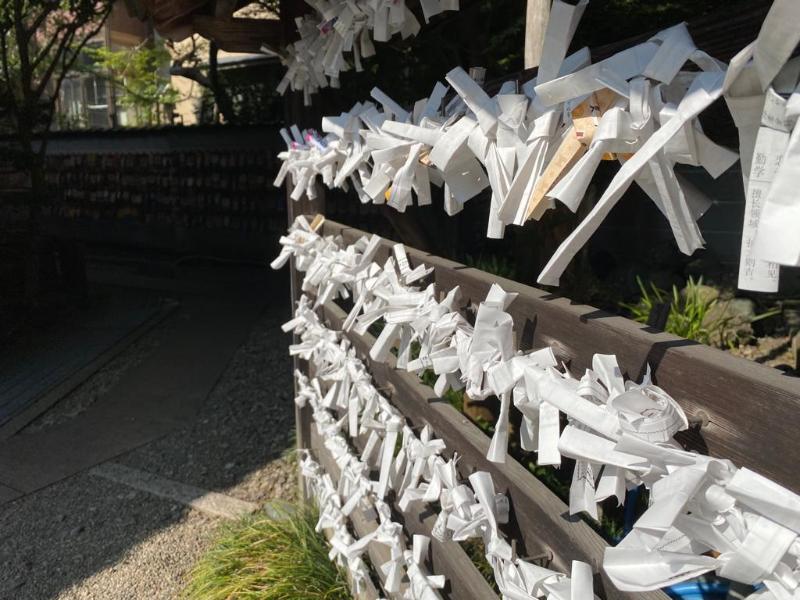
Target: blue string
[692, 590]
[631, 501]
[698, 590]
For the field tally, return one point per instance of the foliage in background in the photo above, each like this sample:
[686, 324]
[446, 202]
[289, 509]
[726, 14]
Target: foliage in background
[40, 41]
[141, 76]
[259, 557]
[503, 266]
[692, 314]
[251, 93]
[475, 549]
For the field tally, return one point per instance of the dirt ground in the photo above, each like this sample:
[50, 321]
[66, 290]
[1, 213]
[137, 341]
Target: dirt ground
[773, 352]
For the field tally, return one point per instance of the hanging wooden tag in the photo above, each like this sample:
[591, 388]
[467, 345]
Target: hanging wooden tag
[580, 135]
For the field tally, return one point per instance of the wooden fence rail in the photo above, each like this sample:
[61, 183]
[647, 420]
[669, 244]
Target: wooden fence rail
[741, 410]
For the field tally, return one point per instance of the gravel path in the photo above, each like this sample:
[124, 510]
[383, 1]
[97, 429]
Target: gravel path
[85, 534]
[87, 537]
[153, 569]
[247, 424]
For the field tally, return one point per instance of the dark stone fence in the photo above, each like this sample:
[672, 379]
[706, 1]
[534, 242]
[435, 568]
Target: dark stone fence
[203, 190]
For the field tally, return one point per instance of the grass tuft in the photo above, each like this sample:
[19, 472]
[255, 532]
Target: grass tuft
[260, 557]
[691, 314]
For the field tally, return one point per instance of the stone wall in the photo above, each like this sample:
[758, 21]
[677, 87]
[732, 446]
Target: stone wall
[185, 190]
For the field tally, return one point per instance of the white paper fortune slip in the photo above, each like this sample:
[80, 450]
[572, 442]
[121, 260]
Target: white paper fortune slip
[770, 145]
[776, 238]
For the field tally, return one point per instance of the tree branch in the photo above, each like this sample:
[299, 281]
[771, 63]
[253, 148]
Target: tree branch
[6, 73]
[25, 71]
[192, 73]
[220, 95]
[120, 83]
[38, 91]
[62, 53]
[38, 21]
[46, 50]
[182, 58]
[67, 61]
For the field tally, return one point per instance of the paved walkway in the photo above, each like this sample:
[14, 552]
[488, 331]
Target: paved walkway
[44, 360]
[117, 498]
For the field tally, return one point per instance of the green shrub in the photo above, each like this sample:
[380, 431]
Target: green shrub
[266, 558]
[502, 266]
[692, 314]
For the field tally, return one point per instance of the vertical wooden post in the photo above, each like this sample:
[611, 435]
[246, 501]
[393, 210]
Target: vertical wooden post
[536, 17]
[302, 416]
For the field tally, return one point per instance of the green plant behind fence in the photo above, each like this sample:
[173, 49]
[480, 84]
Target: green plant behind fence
[692, 314]
[260, 557]
[494, 264]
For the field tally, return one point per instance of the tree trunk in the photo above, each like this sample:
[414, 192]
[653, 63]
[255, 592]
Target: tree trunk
[224, 104]
[34, 163]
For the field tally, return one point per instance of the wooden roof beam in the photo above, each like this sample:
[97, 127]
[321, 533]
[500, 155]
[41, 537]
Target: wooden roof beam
[238, 34]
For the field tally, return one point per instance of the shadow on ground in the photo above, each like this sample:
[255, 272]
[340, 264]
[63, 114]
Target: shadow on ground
[87, 537]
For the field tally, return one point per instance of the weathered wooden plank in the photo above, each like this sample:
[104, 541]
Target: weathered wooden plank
[751, 409]
[541, 517]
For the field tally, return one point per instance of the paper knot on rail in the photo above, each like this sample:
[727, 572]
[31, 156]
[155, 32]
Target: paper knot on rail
[520, 580]
[340, 27]
[422, 584]
[707, 515]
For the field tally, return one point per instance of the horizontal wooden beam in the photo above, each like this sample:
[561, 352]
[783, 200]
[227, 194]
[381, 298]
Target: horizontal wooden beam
[238, 34]
[751, 409]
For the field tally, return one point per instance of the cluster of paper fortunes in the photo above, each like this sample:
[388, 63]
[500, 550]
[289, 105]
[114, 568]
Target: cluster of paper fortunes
[355, 491]
[338, 26]
[705, 514]
[417, 473]
[544, 142]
